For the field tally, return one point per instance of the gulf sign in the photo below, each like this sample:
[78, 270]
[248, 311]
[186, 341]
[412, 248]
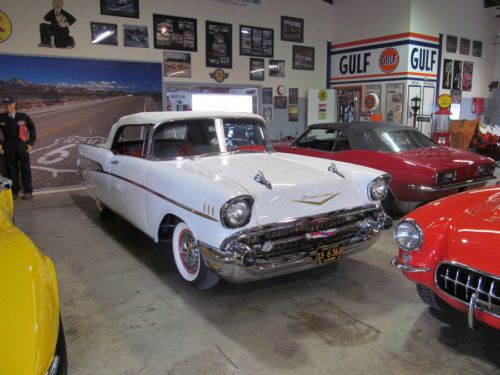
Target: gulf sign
[401, 56]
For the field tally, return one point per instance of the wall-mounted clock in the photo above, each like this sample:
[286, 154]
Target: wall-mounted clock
[5, 26]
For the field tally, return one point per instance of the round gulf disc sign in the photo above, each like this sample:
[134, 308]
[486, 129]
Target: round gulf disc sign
[389, 60]
[371, 101]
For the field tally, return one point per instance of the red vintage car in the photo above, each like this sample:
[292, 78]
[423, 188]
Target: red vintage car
[421, 170]
[451, 249]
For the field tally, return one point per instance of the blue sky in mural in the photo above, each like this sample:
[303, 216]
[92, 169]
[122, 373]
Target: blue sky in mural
[131, 77]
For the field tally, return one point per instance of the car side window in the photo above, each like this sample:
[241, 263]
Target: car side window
[341, 142]
[132, 140]
[320, 139]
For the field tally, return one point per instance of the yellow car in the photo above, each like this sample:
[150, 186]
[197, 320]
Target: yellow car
[31, 332]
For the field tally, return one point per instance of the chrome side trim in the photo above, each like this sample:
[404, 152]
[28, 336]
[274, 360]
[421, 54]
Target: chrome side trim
[456, 185]
[406, 267]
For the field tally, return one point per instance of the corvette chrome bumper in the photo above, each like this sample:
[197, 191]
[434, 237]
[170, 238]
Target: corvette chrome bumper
[246, 257]
[406, 267]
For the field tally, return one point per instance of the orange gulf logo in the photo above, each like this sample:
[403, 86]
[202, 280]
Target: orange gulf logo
[389, 60]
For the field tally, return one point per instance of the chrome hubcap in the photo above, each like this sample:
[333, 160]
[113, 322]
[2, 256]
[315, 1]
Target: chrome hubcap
[190, 253]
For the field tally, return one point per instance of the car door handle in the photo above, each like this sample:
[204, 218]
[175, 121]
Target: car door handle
[114, 161]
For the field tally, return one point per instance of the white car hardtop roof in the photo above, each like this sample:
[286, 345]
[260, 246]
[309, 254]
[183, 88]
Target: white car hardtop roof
[157, 117]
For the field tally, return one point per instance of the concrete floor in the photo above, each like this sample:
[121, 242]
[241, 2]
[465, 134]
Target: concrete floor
[126, 310]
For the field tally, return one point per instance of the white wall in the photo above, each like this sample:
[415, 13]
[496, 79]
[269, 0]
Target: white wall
[26, 15]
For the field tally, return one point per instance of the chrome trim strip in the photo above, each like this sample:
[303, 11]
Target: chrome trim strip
[466, 183]
[406, 267]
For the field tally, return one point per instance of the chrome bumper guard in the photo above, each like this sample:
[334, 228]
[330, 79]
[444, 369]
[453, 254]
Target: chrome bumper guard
[243, 258]
[406, 267]
[453, 185]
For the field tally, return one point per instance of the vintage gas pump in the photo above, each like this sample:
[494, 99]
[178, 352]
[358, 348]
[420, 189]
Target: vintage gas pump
[441, 123]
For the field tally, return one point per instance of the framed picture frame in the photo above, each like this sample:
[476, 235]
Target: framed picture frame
[219, 45]
[256, 41]
[467, 73]
[276, 68]
[464, 46]
[457, 75]
[176, 64]
[447, 74]
[175, 33]
[122, 8]
[135, 36]
[292, 29]
[257, 69]
[303, 58]
[451, 43]
[104, 33]
[477, 48]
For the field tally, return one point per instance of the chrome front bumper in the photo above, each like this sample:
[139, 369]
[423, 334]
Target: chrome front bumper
[453, 185]
[237, 262]
[406, 267]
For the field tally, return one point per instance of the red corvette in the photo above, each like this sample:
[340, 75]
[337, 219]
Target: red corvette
[421, 170]
[451, 249]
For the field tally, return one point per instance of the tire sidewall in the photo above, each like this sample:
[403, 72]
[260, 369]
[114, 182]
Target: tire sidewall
[180, 231]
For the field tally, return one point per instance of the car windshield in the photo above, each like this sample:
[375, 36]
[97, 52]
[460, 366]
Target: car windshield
[404, 140]
[193, 137]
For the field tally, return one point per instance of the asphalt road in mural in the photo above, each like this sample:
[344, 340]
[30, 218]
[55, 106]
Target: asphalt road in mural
[60, 129]
[75, 101]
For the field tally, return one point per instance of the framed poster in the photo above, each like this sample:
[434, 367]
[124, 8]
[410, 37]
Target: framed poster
[267, 113]
[257, 69]
[135, 36]
[219, 45]
[293, 95]
[447, 73]
[467, 71]
[177, 33]
[451, 43]
[464, 46]
[176, 64]
[292, 29]
[104, 33]
[276, 68]
[267, 95]
[457, 75]
[121, 8]
[303, 58]
[477, 48]
[256, 41]
[395, 100]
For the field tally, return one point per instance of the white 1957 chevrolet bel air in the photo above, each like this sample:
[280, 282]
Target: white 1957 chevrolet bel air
[232, 207]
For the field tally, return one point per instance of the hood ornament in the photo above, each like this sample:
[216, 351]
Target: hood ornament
[333, 168]
[259, 177]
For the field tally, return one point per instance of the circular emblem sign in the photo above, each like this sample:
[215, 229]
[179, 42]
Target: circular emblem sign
[389, 60]
[219, 75]
[444, 101]
[5, 27]
[371, 101]
[322, 95]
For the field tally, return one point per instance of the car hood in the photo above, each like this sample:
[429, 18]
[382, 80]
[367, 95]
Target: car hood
[299, 186]
[475, 236]
[443, 158]
[29, 316]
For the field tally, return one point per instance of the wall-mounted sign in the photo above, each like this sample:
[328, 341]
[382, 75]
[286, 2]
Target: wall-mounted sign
[444, 101]
[219, 75]
[5, 26]
[405, 56]
[371, 101]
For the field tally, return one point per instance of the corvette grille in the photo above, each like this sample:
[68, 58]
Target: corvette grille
[461, 282]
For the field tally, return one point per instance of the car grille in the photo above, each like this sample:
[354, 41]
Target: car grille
[462, 282]
[305, 234]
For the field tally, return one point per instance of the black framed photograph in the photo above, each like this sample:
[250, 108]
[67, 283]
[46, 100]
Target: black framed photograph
[120, 8]
[176, 64]
[451, 43]
[257, 69]
[256, 41]
[104, 33]
[135, 36]
[177, 33]
[292, 29]
[457, 75]
[464, 46]
[276, 68]
[447, 73]
[219, 45]
[477, 48]
[303, 58]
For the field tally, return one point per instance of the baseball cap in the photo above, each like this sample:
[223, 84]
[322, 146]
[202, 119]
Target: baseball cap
[8, 100]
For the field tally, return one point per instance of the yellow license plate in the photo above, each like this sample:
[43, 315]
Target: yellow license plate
[329, 253]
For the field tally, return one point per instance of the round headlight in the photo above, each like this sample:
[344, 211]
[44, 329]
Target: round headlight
[408, 235]
[236, 212]
[377, 189]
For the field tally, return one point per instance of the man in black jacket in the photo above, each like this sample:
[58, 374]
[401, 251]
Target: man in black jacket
[19, 135]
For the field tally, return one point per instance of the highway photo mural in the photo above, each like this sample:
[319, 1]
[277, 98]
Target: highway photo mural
[74, 101]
